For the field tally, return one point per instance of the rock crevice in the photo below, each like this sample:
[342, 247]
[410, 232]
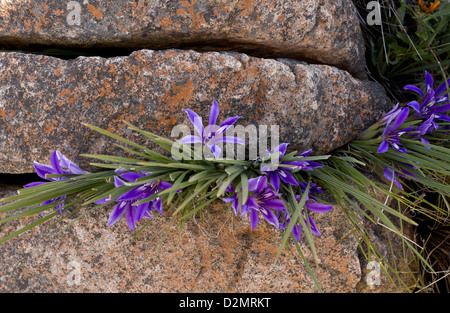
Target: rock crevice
[316, 31]
[44, 100]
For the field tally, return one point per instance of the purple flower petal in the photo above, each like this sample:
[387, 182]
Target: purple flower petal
[37, 183]
[312, 165]
[103, 201]
[130, 216]
[253, 183]
[61, 204]
[425, 141]
[406, 171]
[383, 147]
[235, 206]
[55, 161]
[427, 98]
[441, 108]
[318, 207]
[48, 201]
[389, 175]
[415, 105]
[157, 205]
[191, 139]
[234, 203]
[197, 122]
[442, 99]
[287, 177]
[313, 228]
[269, 194]
[120, 171]
[390, 115]
[274, 180]
[251, 203]
[229, 199]
[442, 87]
[43, 170]
[141, 209]
[164, 185]
[69, 165]
[117, 212]
[306, 153]
[216, 150]
[297, 232]
[133, 193]
[414, 88]
[226, 124]
[118, 182]
[261, 185]
[275, 204]
[401, 117]
[443, 117]
[280, 149]
[428, 82]
[398, 148]
[254, 219]
[227, 139]
[213, 114]
[131, 176]
[270, 217]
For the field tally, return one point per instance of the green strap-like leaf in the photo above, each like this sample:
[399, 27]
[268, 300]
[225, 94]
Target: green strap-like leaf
[28, 227]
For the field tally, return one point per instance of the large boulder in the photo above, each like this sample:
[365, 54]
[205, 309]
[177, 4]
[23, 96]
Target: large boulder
[258, 71]
[44, 100]
[317, 31]
[218, 254]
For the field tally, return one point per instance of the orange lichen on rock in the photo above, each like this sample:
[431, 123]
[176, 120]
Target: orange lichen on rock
[96, 12]
[150, 89]
[289, 29]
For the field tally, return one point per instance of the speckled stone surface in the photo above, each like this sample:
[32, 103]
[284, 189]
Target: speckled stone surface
[45, 100]
[221, 254]
[317, 31]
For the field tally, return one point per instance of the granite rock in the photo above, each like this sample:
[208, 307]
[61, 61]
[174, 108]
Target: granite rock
[224, 256]
[317, 31]
[44, 100]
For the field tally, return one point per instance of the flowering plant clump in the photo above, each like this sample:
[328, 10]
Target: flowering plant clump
[138, 188]
[403, 129]
[407, 146]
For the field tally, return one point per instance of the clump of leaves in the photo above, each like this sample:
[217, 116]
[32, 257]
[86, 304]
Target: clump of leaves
[407, 42]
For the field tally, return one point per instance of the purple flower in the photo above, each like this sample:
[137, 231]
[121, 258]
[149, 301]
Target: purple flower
[311, 204]
[262, 200]
[307, 165]
[389, 174]
[391, 134]
[278, 173]
[433, 101]
[125, 203]
[60, 164]
[392, 175]
[426, 127]
[387, 118]
[213, 134]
